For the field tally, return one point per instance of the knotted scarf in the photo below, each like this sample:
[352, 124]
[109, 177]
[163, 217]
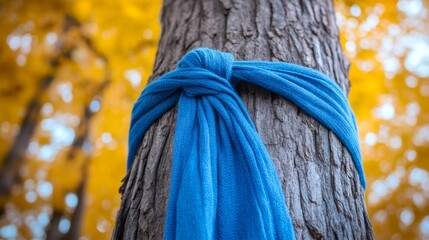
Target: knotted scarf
[224, 184]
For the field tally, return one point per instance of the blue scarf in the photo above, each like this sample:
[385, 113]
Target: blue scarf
[224, 184]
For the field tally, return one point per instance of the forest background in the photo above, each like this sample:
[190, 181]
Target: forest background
[70, 72]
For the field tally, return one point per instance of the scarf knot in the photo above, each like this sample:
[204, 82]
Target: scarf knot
[211, 71]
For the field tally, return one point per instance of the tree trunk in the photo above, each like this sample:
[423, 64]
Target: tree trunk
[9, 167]
[319, 180]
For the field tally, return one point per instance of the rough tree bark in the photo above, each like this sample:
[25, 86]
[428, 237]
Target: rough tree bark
[320, 182]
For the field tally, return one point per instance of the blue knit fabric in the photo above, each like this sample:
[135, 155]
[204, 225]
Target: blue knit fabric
[224, 184]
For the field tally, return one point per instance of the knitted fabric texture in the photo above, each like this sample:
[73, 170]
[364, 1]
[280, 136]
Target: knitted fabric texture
[224, 184]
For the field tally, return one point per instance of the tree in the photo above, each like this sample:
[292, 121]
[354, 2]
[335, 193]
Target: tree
[321, 185]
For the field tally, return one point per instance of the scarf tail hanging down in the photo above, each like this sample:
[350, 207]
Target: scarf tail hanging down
[224, 184]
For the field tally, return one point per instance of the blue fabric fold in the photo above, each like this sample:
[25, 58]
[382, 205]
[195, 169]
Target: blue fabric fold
[224, 184]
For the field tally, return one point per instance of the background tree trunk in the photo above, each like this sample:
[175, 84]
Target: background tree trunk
[320, 182]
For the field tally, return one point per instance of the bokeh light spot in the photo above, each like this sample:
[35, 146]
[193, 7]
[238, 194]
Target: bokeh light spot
[64, 225]
[9, 231]
[407, 216]
[71, 200]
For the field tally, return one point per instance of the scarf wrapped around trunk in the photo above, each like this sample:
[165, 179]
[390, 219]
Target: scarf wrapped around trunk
[224, 184]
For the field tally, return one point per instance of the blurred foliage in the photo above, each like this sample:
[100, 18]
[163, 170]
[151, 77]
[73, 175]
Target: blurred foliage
[70, 72]
[73, 70]
[388, 45]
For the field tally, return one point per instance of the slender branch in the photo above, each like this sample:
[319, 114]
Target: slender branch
[9, 170]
